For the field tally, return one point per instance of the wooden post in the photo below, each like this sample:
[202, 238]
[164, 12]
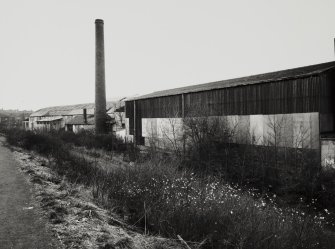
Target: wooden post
[182, 105]
[134, 139]
[320, 141]
[183, 117]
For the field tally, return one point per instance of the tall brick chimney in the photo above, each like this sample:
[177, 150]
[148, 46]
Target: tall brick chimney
[100, 91]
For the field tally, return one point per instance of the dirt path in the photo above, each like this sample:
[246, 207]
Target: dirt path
[21, 225]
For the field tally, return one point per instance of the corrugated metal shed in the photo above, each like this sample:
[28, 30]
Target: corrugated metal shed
[300, 90]
[289, 74]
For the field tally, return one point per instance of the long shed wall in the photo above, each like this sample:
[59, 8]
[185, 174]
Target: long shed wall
[312, 94]
[299, 130]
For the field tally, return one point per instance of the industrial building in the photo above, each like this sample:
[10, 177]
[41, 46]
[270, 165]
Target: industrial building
[70, 117]
[299, 100]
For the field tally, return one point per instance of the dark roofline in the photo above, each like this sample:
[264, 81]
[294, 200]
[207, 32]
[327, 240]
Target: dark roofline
[79, 120]
[61, 108]
[276, 76]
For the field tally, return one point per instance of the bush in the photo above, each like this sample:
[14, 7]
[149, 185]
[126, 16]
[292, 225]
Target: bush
[160, 198]
[326, 193]
[211, 149]
[89, 140]
[43, 143]
[75, 168]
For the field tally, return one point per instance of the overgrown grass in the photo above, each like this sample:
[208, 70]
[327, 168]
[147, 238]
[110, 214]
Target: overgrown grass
[159, 197]
[279, 169]
[90, 140]
[162, 199]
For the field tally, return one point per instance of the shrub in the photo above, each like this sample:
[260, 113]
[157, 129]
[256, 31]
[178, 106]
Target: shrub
[326, 193]
[89, 140]
[160, 198]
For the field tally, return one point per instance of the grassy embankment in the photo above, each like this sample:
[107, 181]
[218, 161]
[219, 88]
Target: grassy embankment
[161, 198]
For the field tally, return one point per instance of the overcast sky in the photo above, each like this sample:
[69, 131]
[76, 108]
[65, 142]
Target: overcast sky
[47, 46]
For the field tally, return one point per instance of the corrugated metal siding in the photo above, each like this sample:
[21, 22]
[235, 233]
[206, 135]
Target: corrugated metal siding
[327, 100]
[132, 108]
[138, 123]
[130, 114]
[327, 94]
[310, 94]
[162, 107]
[292, 96]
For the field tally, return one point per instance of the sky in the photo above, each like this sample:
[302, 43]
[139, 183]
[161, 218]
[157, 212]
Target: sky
[47, 47]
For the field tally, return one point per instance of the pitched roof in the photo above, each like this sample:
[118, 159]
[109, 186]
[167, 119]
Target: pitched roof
[49, 120]
[118, 107]
[68, 110]
[295, 73]
[79, 120]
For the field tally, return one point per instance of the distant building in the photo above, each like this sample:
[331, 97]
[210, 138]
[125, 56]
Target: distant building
[117, 113]
[76, 118]
[301, 99]
[70, 117]
[86, 123]
[79, 123]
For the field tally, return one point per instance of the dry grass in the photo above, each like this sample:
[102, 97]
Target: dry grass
[161, 199]
[73, 217]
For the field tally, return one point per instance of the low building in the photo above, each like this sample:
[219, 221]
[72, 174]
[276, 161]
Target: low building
[80, 123]
[85, 123]
[57, 117]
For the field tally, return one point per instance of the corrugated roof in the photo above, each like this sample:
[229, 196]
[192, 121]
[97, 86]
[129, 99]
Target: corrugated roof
[49, 119]
[68, 110]
[80, 112]
[118, 107]
[300, 72]
[79, 120]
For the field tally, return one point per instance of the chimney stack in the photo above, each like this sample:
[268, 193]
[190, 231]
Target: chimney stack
[100, 92]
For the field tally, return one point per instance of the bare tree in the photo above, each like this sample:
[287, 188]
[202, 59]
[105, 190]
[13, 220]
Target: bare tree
[172, 134]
